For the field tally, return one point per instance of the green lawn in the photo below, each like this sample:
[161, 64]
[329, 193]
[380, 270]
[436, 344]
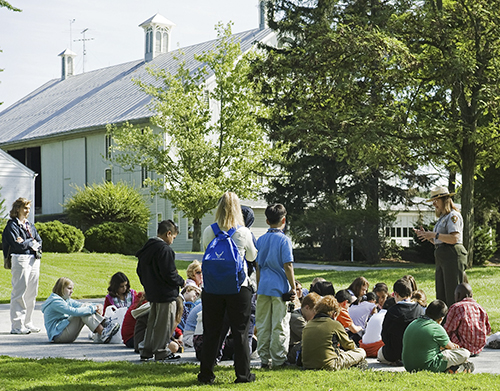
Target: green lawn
[91, 273]
[60, 374]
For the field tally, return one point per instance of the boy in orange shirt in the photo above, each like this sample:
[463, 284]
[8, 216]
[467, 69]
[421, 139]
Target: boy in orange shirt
[344, 298]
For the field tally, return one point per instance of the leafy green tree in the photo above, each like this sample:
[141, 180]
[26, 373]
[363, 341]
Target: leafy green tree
[107, 202]
[456, 111]
[5, 4]
[336, 91]
[196, 154]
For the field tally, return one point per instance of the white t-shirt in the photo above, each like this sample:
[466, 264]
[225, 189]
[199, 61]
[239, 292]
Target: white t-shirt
[361, 312]
[373, 331]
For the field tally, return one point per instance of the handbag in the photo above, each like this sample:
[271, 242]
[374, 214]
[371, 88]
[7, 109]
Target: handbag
[7, 261]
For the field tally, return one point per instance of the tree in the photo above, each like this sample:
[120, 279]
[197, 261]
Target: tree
[5, 4]
[336, 90]
[197, 155]
[456, 111]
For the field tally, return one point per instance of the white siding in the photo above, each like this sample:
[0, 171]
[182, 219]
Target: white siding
[74, 166]
[52, 177]
[16, 180]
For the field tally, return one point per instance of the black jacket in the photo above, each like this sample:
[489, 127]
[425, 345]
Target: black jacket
[397, 319]
[13, 231]
[157, 272]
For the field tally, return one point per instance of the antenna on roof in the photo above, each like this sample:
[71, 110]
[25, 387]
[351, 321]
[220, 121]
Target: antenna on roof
[84, 50]
[71, 21]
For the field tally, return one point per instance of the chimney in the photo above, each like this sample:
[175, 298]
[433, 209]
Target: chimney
[157, 30]
[68, 64]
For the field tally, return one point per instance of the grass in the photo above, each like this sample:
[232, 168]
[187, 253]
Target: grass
[91, 273]
[59, 374]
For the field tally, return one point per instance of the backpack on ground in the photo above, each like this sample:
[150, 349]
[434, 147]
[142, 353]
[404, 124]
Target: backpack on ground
[222, 267]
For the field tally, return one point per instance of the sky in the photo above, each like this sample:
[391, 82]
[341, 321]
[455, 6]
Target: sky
[32, 39]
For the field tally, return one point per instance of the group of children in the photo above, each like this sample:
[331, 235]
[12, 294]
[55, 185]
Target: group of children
[320, 328]
[338, 330]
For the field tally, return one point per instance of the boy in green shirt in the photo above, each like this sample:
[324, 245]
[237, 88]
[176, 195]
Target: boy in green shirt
[426, 345]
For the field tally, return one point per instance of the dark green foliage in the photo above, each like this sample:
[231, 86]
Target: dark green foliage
[107, 202]
[485, 245]
[60, 238]
[391, 250]
[122, 238]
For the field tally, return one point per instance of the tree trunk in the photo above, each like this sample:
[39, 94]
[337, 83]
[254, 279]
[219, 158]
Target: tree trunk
[196, 246]
[372, 240]
[468, 171]
[452, 177]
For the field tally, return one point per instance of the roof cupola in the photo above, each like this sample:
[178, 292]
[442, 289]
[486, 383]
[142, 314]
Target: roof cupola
[157, 30]
[68, 63]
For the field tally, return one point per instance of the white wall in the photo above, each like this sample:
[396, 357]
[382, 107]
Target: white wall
[16, 181]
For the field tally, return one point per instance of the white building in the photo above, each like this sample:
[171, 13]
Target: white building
[59, 129]
[419, 212]
[16, 180]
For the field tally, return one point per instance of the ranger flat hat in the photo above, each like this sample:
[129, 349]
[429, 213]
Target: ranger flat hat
[439, 192]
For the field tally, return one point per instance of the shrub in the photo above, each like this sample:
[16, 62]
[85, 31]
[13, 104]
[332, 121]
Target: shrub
[107, 202]
[123, 238]
[60, 238]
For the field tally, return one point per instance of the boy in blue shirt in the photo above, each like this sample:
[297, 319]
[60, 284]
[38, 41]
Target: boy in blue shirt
[276, 281]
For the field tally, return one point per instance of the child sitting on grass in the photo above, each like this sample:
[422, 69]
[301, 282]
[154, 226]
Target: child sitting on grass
[325, 343]
[119, 292]
[467, 322]
[426, 346]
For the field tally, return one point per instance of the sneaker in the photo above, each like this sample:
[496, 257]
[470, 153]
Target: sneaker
[22, 330]
[96, 337]
[32, 328]
[108, 331]
[466, 367]
[169, 357]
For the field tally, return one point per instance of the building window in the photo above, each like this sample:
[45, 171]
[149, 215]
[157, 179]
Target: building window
[144, 175]
[107, 175]
[107, 148]
[398, 232]
[149, 40]
[405, 232]
[70, 66]
[165, 42]
[158, 42]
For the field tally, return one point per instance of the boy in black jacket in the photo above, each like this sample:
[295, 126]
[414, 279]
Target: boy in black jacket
[161, 281]
[397, 319]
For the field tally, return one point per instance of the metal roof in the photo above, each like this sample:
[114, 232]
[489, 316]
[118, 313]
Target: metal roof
[94, 99]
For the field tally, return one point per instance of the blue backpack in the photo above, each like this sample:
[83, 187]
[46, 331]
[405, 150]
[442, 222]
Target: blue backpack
[223, 270]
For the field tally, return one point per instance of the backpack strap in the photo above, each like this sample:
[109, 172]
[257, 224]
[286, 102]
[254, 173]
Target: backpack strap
[216, 229]
[232, 231]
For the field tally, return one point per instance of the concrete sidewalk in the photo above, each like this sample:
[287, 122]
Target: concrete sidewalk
[38, 346]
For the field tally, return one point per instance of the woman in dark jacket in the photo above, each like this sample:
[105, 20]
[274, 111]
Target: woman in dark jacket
[22, 243]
